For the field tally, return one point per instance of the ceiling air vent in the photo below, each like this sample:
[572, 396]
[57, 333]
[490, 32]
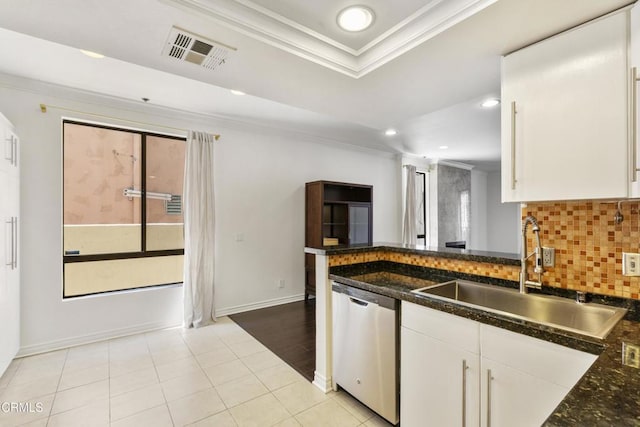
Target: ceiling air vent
[185, 46]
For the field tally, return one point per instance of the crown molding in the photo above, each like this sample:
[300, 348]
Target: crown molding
[276, 30]
[453, 164]
[128, 109]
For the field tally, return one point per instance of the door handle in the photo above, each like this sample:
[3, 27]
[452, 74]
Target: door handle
[15, 152]
[15, 241]
[10, 157]
[359, 302]
[464, 392]
[489, 378]
[12, 249]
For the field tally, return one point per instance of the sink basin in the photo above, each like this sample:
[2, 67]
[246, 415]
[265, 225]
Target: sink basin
[594, 320]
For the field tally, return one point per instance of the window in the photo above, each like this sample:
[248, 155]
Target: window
[123, 223]
[421, 207]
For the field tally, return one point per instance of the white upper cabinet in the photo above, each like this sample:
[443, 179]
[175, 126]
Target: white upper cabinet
[565, 115]
[634, 59]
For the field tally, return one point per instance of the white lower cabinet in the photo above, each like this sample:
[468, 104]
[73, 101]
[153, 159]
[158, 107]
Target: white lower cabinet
[514, 398]
[446, 396]
[458, 372]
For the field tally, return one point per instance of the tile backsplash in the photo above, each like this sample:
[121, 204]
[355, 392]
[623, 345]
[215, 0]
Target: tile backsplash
[589, 244]
[507, 272]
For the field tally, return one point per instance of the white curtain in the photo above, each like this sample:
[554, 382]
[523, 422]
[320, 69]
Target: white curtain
[199, 227]
[409, 232]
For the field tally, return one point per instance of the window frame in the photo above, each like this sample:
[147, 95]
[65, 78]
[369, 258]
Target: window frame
[143, 253]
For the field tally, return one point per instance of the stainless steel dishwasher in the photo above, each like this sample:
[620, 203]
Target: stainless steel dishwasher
[365, 348]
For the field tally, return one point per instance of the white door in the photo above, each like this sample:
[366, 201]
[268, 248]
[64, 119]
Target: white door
[439, 383]
[9, 281]
[514, 398]
[568, 137]
[9, 248]
[634, 58]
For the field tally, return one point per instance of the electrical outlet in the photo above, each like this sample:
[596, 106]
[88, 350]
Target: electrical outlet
[280, 283]
[548, 257]
[630, 264]
[631, 355]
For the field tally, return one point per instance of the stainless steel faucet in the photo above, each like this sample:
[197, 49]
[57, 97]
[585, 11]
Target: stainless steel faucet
[524, 282]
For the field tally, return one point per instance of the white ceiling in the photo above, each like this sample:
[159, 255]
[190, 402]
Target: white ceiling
[429, 92]
[320, 16]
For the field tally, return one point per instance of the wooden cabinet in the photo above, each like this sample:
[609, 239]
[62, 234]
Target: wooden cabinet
[9, 245]
[565, 120]
[452, 367]
[336, 214]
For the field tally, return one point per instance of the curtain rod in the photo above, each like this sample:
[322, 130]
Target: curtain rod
[43, 108]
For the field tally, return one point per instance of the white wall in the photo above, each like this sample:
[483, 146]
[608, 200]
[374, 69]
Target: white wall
[479, 211]
[503, 219]
[260, 175]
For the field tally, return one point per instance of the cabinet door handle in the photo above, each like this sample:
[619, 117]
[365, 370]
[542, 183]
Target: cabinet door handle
[489, 378]
[10, 157]
[15, 152]
[464, 392]
[634, 123]
[11, 251]
[14, 229]
[513, 145]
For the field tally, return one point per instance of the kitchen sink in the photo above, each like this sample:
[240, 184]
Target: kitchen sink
[594, 320]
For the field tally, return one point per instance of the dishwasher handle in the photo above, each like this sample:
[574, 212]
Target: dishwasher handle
[359, 302]
[365, 297]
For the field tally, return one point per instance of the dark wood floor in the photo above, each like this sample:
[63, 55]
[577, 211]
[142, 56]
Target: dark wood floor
[288, 330]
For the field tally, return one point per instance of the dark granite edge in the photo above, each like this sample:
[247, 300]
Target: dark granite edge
[450, 253]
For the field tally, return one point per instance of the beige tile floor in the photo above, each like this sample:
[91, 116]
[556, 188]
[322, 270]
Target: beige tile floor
[213, 376]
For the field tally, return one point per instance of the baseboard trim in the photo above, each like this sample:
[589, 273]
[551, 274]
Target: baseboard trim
[323, 383]
[145, 327]
[255, 306]
[91, 338]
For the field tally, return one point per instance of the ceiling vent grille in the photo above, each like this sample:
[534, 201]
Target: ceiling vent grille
[189, 47]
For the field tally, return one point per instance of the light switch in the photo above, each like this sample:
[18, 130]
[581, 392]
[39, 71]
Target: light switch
[630, 264]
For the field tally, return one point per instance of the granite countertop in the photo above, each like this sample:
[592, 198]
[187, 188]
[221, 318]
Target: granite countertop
[609, 392]
[451, 253]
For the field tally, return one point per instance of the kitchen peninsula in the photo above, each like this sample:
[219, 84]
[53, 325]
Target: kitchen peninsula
[607, 393]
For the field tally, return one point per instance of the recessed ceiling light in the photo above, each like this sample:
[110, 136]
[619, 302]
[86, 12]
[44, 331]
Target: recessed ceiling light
[237, 92]
[91, 54]
[355, 18]
[443, 147]
[390, 132]
[491, 102]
